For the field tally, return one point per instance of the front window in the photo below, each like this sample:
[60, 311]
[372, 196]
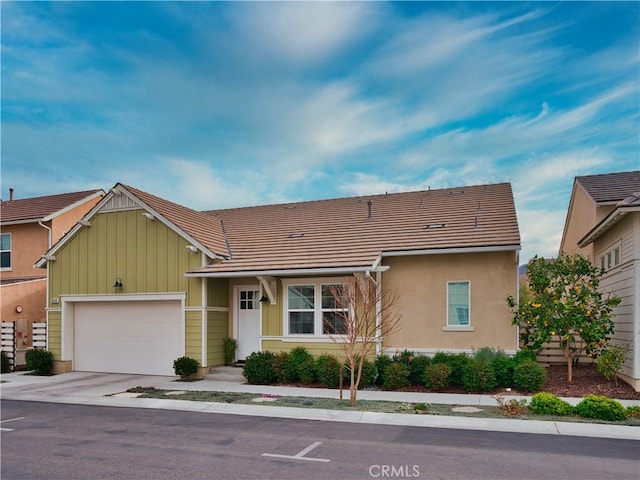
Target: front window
[5, 251]
[458, 304]
[312, 309]
[301, 304]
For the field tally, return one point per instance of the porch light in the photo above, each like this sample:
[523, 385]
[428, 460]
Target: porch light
[117, 283]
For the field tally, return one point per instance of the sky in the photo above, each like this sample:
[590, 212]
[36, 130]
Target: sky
[214, 104]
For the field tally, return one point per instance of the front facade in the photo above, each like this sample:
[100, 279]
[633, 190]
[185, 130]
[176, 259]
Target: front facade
[611, 239]
[142, 281]
[29, 227]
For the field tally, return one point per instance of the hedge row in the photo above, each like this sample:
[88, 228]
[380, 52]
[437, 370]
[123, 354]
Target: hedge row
[483, 371]
[591, 406]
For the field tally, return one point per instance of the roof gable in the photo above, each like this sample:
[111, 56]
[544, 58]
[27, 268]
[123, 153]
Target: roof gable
[43, 208]
[198, 226]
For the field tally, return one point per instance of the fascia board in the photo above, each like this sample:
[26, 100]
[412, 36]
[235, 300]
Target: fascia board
[443, 251]
[99, 193]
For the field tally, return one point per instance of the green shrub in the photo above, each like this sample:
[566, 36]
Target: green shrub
[525, 354]
[300, 360]
[487, 354]
[328, 371]
[417, 368]
[436, 376]
[382, 361]
[230, 346]
[478, 376]
[396, 376]
[503, 366]
[457, 362]
[185, 367]
[545, 403]
[601, 408]
[529, 376]
[611, 360]
[283, 368]
[368, 377]
[39, 361]
[307, 371]
[258, 368]
[405, 357]
[6, 363]
[633, 411]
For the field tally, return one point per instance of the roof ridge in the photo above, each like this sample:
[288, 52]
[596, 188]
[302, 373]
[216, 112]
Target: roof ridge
[355, 197]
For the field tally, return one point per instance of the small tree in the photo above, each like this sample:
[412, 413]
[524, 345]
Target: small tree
[565, 304]
[363, 316]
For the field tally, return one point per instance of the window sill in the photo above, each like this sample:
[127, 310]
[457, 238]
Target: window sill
[458, 328]
[308, 338]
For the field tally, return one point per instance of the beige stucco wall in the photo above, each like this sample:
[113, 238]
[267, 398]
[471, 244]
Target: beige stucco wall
[30, 295]
[581, 218]
[65, 221]
[421, 284]
[28, 244]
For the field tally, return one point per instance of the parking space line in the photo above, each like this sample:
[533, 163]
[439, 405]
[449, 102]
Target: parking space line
[2, 429]
[300, 455]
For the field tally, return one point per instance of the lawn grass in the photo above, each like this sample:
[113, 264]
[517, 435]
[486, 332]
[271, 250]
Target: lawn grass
[360, 406]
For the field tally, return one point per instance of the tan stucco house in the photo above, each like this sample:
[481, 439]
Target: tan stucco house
[603, 224]
[140, 281]
[28, 228]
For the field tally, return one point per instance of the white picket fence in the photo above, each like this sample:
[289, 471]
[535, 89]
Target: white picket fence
[8, 339]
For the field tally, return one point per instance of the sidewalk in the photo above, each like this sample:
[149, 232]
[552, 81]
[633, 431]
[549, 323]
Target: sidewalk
[102, 389]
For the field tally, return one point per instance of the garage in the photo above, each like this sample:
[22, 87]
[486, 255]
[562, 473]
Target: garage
[141, 337]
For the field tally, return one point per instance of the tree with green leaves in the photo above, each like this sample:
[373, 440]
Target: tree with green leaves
[566, 304]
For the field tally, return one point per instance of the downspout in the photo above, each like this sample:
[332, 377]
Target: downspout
[378, 313]
[47, 299]
[517, 297]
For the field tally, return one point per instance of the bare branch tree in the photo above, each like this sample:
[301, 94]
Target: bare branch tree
[363, 315]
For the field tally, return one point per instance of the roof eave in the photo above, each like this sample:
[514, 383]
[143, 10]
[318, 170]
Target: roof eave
[96, 194]
[606, 223]
[453, 250]
[288, 272]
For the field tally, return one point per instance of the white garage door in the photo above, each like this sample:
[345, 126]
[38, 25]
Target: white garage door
[143, 337]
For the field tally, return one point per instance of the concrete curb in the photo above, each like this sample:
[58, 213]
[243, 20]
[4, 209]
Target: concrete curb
[98, 389]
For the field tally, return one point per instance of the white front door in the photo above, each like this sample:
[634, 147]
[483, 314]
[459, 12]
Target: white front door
[249, 321]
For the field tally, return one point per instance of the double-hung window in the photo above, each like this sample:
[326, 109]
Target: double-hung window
[458, 299]
[5, 251]
[312, 308]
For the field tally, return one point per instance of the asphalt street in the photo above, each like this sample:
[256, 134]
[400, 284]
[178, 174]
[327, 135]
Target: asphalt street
[59, 441]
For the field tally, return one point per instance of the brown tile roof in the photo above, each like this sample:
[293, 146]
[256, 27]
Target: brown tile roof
[37, 208]
[339, 233]
[203, 228]
[611, 187]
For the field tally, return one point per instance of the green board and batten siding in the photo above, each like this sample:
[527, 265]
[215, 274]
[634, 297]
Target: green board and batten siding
[147, 256]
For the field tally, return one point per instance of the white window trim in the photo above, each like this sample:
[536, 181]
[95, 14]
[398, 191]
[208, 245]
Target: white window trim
[10, 267]
[458, 328]
[317, 312]
[609, 252]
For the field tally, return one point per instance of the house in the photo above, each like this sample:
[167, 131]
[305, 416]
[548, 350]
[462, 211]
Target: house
[141, 281]
[28, 228]
[603, 224]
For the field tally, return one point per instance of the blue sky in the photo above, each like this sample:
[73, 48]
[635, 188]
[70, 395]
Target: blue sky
[216, 105]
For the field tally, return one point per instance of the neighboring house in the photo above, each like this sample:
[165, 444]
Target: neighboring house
[603, 224]
[28, 228]
[141, 281]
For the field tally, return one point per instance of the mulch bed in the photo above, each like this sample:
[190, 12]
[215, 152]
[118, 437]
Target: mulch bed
[586, 380]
